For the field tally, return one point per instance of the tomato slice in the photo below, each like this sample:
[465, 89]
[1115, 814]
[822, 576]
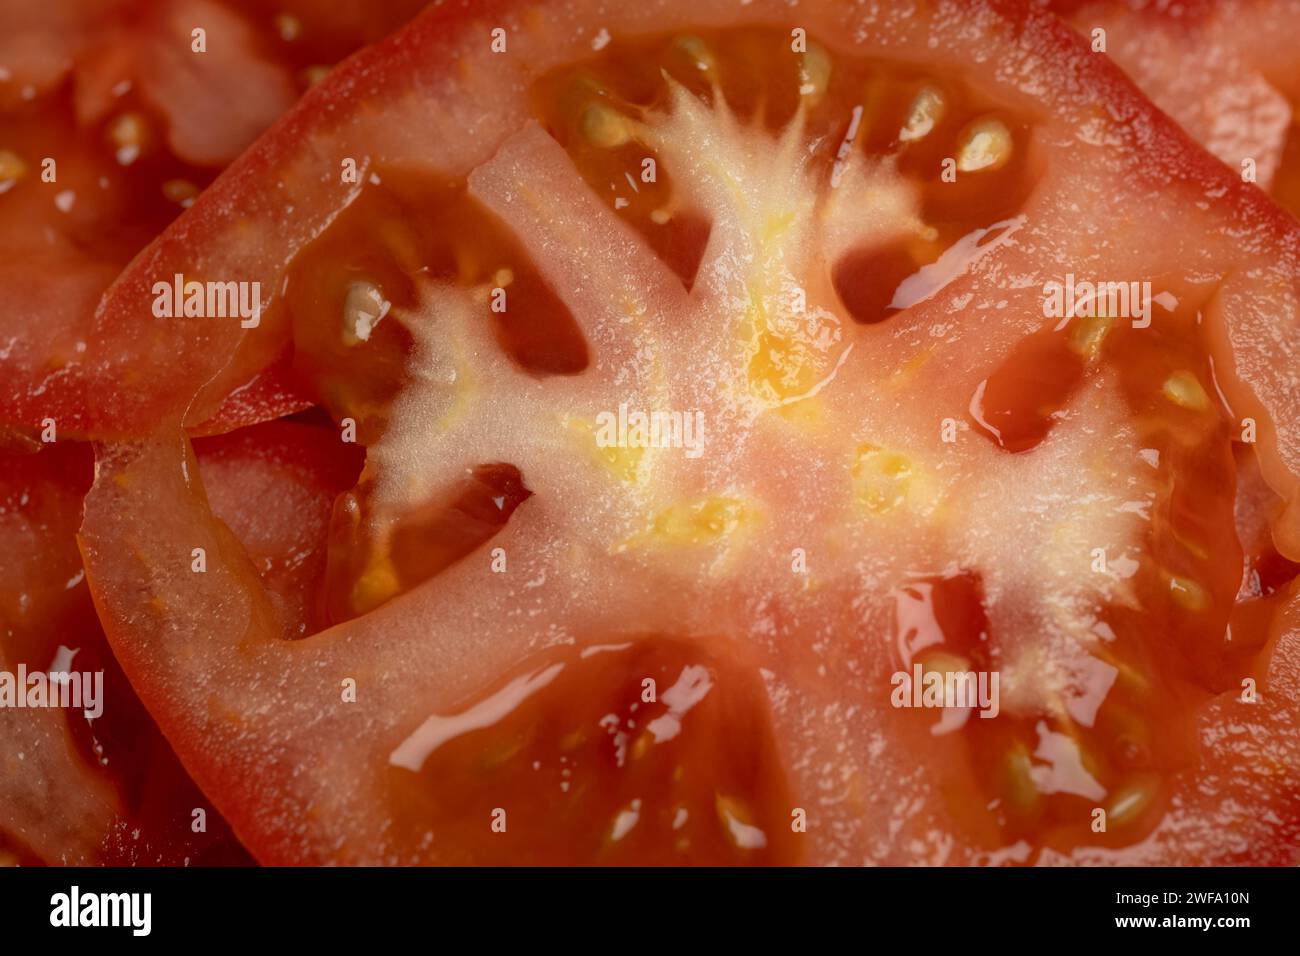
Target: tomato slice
[113, 124]
[136, 123]
[1226, 71]
[880, 479]
[77, 790]
[111, 790]
[54, 806]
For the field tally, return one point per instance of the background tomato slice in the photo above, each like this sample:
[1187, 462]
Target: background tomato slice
[1225, 70]
[112, 790]
[79, 791]
[137, 124]
[93, 86]
[55, 807]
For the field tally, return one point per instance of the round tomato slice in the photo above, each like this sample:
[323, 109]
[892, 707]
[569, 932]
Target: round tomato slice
[742, 320]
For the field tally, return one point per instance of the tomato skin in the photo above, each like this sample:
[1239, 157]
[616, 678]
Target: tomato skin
[1239, 99]
[224, 625]
[273, 393]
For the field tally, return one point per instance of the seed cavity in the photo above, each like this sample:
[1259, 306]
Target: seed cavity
[641, 746]
[625, 821]
[180, 191]
[1188, 594]
[1129, 802]
[944, 662]
[288, 26]
[984, 145]
[735, 818]
[314, 74]
[502, 752]
[379, 582]
[1021, 792]
[1088, 334]
[927, 110]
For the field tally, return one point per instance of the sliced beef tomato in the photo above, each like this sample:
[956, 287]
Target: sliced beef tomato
[886, 455]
